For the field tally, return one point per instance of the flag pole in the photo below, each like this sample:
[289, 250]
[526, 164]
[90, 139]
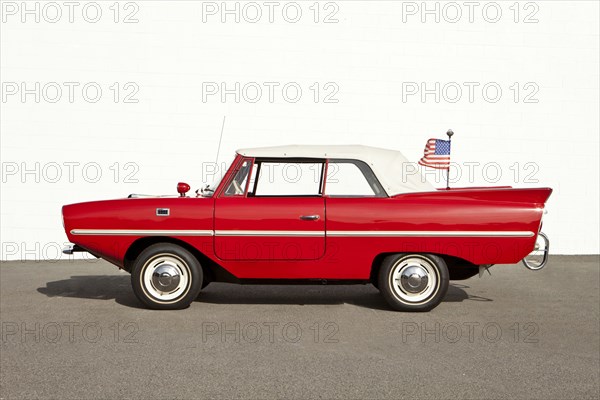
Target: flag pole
[449, 133]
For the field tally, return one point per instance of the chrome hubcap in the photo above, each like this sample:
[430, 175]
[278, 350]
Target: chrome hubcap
[414, 279]
[165, 278]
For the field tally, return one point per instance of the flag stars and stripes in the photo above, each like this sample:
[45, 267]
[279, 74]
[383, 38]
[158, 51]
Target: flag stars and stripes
[436, 154]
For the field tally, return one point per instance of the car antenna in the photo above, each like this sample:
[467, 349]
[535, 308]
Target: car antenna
[220, 139]
[199, 191]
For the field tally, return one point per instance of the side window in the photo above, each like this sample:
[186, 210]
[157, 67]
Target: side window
[276, 178]
[237, 187]
[351, 178]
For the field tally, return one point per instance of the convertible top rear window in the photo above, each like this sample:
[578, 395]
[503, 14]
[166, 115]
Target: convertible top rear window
[352, 178]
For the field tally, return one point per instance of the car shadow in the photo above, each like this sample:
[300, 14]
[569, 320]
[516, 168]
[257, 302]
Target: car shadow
[359, 295]
[94, 287]
[118, 288]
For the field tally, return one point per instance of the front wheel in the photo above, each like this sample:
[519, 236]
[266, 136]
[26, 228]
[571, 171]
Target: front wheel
[413, 282]
[166, 277]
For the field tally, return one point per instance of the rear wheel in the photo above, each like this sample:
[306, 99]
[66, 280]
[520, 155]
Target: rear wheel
[166, 277]
[413, 282]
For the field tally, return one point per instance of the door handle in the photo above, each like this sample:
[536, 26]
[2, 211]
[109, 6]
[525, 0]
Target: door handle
[309, 217]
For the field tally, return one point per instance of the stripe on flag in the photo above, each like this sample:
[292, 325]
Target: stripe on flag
[436, 154]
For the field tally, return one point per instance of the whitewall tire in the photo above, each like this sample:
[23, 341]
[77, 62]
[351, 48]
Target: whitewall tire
[413, 282]
[166, 276]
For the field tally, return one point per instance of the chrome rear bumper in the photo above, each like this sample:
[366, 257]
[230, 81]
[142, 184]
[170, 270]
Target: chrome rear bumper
[538, 258]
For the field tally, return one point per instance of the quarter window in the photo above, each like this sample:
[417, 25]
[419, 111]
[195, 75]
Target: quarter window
[351, 178]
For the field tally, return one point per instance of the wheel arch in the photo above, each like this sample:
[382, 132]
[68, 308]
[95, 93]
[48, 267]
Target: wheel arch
[458, 268]
[208, 265]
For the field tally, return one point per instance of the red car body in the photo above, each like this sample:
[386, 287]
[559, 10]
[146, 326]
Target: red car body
[251, 238]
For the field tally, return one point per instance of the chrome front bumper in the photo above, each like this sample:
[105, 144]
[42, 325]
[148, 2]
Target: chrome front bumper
[538, 258]
[72, 248]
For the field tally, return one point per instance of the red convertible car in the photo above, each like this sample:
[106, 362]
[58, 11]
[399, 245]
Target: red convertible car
[313, 214]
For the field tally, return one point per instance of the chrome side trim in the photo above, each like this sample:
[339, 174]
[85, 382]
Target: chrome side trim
[140, 232]
[431, 233]
[186, 232]
[270, 233]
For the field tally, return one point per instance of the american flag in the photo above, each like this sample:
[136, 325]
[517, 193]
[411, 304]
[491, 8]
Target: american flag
[437, 154]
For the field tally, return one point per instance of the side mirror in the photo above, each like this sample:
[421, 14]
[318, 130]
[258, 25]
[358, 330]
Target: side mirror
[202, 191]
[182, 188]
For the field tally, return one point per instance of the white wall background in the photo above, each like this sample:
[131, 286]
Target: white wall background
[374, 53]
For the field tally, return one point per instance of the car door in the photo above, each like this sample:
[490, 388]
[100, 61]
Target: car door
[271, 209]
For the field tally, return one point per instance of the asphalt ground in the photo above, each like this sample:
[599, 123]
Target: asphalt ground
[74, 329]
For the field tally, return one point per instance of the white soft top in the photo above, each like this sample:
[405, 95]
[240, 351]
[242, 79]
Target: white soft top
[386, 164]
